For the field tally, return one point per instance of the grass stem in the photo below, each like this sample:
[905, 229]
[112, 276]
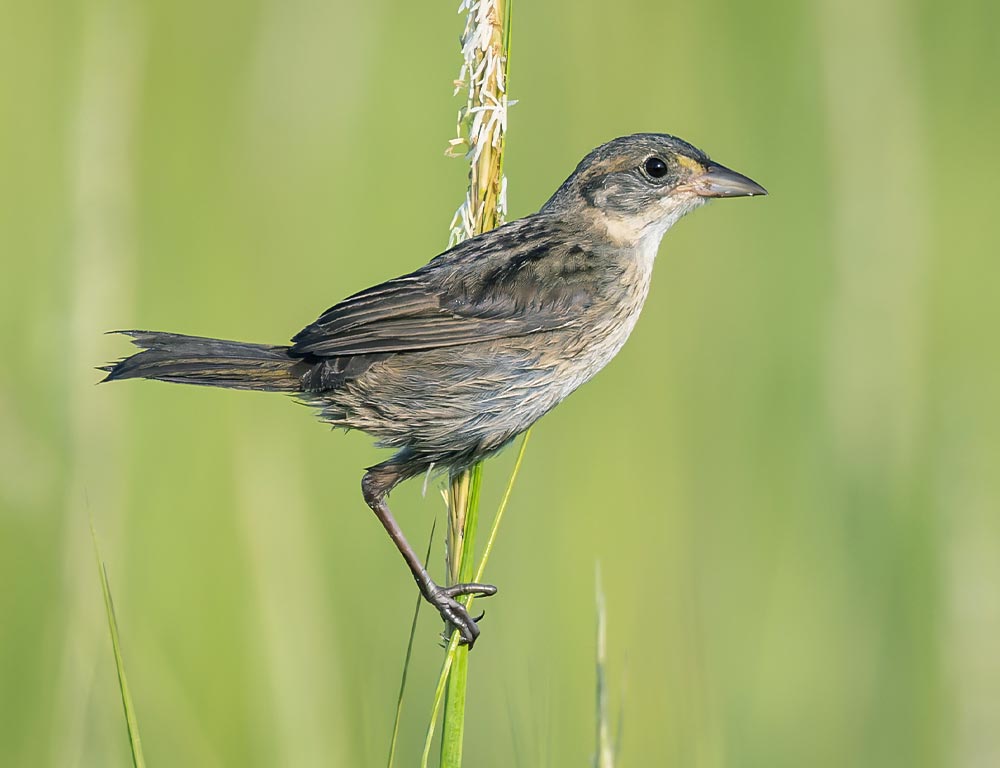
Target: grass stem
[131, 722]
[453, 647]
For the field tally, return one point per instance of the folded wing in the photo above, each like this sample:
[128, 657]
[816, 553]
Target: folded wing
[476, 292]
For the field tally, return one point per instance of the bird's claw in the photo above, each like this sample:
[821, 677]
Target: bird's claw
[455, 615]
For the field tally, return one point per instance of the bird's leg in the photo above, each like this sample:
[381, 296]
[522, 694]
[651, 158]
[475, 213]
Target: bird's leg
[375, 486]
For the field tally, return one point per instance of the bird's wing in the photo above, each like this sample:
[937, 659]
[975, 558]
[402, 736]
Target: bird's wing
[478, 291]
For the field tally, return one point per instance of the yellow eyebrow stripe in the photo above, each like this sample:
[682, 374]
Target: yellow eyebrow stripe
[691, 165]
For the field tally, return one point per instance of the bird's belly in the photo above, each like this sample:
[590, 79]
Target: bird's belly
[473, 399]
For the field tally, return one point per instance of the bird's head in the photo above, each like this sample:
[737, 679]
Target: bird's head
[635, 187]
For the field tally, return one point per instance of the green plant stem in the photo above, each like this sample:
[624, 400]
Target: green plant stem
[483, 211]
[465, 491]
[451, 653]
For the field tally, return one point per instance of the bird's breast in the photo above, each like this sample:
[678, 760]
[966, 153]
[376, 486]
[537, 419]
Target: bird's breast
[604, 329]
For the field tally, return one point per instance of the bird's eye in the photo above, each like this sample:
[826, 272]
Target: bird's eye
[656, 168]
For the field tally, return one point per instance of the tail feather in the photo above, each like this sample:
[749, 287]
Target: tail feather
[209, 362]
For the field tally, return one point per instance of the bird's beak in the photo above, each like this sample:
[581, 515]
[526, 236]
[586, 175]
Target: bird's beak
[719, 181]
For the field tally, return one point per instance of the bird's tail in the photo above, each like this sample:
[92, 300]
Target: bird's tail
[209, 362]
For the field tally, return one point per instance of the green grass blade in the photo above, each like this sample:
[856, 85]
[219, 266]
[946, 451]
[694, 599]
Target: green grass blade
[604, 757]
[453, 727]
[453, 645]
[449, 657]
[409, 655]
[453, 724]
[491, 540]
[131, 722]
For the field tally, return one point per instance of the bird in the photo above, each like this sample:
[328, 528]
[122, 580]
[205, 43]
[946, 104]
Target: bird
[449, 363]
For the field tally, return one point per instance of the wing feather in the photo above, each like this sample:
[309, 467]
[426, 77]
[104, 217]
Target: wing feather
[478, 291]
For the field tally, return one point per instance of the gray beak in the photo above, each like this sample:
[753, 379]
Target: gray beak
[719, 181]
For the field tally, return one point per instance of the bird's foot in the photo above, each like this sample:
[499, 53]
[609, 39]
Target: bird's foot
[455, 615]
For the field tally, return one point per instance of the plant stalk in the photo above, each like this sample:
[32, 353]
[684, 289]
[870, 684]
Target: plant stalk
[481, 132]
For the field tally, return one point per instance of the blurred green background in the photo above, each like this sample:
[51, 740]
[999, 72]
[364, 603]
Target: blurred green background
[789, 475]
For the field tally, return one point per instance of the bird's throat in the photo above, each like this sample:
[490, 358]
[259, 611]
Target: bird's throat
[647, 229]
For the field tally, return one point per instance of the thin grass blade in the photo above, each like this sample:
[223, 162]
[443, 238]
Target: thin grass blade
[453, 645]
[453, 728]
[604, 757]
[409, 655]
[131, 722]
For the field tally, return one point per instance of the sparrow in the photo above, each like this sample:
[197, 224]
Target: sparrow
[449, 363]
